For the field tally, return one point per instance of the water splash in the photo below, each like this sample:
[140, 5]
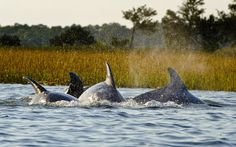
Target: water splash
[37, 100]
[129, 103]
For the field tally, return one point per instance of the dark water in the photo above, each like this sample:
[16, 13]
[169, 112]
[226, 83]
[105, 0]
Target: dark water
[127, 124]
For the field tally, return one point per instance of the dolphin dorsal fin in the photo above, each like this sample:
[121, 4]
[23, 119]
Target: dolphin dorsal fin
[175, 78]
[37, 87]
[109, 78]
[76, 86]
[75, 79]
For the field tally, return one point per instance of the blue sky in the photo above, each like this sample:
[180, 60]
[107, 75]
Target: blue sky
[85, 12]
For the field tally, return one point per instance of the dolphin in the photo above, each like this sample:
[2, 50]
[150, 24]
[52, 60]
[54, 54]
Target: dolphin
[76, 86]
[105, 90]
[175, 91]
[48, 95]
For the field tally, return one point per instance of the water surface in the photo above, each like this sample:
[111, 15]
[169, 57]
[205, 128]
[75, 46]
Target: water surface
[127, 124]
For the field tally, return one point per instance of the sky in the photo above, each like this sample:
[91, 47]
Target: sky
[85, 12]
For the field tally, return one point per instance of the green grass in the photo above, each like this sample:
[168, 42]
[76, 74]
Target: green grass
[147, 68]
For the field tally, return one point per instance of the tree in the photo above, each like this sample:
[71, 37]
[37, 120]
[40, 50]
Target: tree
[175, 31]
[106, 32]
[74, 35]
[210, 33]
[191, 12]
[141, 18]
[119, 43]
[6, 40]
[227, 25]
[232, 7]
[56, 41]
[181, 28]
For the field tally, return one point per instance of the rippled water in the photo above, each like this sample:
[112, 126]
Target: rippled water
[127, 124]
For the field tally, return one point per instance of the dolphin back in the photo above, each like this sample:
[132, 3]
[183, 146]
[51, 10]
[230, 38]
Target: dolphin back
[56, 96]
[102, 91]
[37, 87]
[175, 91]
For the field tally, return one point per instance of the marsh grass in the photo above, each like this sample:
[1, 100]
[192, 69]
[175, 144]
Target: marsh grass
[142, 68]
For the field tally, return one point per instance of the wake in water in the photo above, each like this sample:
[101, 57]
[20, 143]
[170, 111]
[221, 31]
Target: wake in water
[129, 103]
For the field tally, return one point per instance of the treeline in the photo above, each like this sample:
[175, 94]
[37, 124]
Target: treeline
[187, 29]
[112, 34]
[183, 29]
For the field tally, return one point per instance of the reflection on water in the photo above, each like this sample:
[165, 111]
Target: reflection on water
[126, 124]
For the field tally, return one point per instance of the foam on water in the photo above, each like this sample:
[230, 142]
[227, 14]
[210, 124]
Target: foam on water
[129, 103]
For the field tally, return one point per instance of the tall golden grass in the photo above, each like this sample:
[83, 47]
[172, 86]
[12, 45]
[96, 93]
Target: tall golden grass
[199, 70]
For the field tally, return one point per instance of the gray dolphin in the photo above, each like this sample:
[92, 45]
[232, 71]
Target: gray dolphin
[176, 91]
[102, 91]
[48, 95]
[76, 86]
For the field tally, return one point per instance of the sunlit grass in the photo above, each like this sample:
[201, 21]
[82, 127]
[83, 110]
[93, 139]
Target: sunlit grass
[131, 68]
